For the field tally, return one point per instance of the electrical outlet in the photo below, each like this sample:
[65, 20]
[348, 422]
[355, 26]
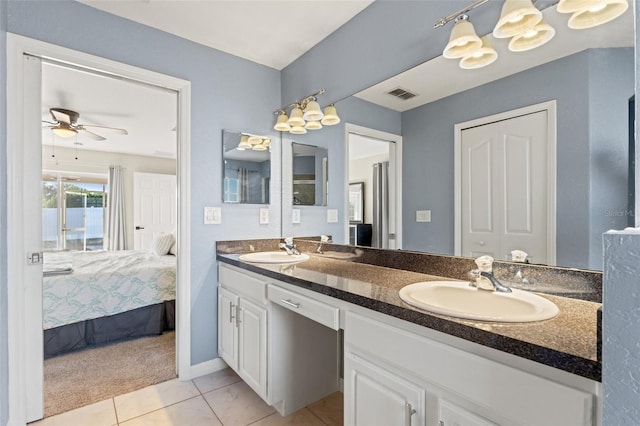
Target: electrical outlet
[332, 215]
[212, 215]
[423, 215]
[295, 216]
[264, 216]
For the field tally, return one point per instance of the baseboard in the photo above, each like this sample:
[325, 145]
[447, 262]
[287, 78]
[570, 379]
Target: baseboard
[204, 368]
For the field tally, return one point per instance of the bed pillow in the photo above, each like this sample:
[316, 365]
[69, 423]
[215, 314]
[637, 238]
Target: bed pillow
[174, 247]
[162, 244]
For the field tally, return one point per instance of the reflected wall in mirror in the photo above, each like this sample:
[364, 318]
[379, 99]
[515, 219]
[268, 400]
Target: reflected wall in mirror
[356, 202]
[591, 77]
[310, 175]
[247, 168]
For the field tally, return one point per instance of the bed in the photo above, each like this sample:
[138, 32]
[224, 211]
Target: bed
[96, 297]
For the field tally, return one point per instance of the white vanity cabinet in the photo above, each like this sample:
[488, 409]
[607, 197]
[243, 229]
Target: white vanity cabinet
[242, 326]
[390, 371]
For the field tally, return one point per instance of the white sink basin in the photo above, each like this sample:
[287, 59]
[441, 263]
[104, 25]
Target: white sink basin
[458, 299]
[273, 257]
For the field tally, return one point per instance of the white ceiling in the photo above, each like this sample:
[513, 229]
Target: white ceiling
[284, 29]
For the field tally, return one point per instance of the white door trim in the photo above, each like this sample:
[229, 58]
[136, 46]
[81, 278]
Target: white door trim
[396, 156]
[18, 307]
[550, 108]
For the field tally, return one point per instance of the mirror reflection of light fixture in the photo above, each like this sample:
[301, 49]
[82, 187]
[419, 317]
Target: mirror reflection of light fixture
[255, 140]
[305, 114]
[480, 58]
[532, 38]
[463, 40]
[516, 18]
[591, 13]
[244, 143]
[64, 130]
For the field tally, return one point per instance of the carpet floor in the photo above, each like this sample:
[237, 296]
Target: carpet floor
[91, 375]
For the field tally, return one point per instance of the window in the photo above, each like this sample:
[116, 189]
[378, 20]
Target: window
[73, 212]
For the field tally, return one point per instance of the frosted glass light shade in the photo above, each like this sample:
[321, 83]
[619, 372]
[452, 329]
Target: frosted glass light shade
[517, 16]
[244, 142]
[266, 142]
[63, 130]
[463, 40]
[481, 58]
[255, 140]
[570, 6]
[298, 130]
[313, 125]
[259, 147]
[295, 118]
[330, 116]
[532, 38]
[597, 12]
[281, 124]
[312, 112]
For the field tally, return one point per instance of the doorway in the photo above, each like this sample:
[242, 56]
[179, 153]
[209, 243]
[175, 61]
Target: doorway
[25, 315]
[374, 188]
[505, 185]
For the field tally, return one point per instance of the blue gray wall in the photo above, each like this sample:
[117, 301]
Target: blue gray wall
[592, 89]
[220, 84]
[4, 367]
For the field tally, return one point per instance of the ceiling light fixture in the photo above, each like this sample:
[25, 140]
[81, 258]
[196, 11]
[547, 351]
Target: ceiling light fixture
[305, 114]
[591, 13]
[64, 130]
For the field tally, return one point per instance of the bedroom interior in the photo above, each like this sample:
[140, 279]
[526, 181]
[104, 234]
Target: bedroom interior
[109, 236]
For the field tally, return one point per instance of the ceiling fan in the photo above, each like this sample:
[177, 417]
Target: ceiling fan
[66, 125]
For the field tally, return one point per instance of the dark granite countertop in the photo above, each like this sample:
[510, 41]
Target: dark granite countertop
[567, 342]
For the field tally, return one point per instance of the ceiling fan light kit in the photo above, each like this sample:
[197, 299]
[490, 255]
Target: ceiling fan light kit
[523, 23]
[305, 114]
[65, 125]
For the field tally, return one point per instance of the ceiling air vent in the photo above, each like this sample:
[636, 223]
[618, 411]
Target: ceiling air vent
[402, 94]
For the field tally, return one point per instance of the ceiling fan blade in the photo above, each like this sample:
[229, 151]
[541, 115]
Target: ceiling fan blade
[90, 135]
[64, 115]
[108, 129]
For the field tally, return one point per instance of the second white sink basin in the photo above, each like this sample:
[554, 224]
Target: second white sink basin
[273, 257]
[458, 299]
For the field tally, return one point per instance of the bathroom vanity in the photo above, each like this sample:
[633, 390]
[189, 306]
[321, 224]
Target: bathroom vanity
[297, 332]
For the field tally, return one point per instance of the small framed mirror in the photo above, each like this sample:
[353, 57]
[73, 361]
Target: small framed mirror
[356, 202]
[247, 168]
[310, 175]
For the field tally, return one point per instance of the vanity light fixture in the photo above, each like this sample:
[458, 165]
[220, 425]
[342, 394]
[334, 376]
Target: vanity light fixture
[305, 114]
[532, 38]
[463, 40]
[591, 13]
[480, 58]
[517, 17]
[253, 142]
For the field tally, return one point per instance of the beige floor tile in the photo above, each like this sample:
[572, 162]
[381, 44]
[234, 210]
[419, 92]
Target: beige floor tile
[152, 398]
[330, 409]
[192, 412]
[302, 417]
[216, 380]
[237, 404]
[99, 414]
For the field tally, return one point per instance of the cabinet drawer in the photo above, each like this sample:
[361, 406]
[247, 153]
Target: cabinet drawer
[317, 311]
[243, 284]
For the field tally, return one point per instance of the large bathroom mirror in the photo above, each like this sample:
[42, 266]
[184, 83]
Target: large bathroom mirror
[590, 75]
[247, 168]
[309, 175]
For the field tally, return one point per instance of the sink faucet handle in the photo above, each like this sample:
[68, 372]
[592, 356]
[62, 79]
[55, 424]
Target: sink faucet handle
[519, 256]
[324, 238]
[288, 241]
[485, 263]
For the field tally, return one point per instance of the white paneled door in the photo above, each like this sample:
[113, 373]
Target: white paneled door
[154, 207]
[504, 173]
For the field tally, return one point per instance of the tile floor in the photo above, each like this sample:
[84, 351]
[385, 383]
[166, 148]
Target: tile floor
[220, 398]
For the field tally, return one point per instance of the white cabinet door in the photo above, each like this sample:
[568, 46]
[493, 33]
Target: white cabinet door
[453, 415]
[374, 396]
[252, 347]
[227, 327]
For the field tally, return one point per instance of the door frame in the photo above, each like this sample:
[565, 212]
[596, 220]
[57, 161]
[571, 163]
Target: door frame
[395, 156]
[17, 219]
[550, 107]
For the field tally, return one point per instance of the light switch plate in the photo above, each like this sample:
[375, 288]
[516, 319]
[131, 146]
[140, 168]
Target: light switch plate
[295, 216]
[212, 215]
[332, 215]
[264, 216]
[423, 215]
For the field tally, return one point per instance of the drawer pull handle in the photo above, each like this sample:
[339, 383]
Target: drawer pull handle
[290, 303]
[231, 309]
[410, 413]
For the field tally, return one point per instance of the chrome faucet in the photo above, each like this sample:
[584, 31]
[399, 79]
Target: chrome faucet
[483, 278]
[323, 239]
[289, 246]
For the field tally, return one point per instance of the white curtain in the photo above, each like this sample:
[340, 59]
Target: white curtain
[116, 229]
